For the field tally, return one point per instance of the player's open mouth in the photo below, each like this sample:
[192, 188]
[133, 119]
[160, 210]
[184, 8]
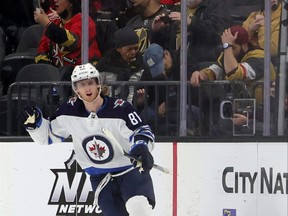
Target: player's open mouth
[90, 94]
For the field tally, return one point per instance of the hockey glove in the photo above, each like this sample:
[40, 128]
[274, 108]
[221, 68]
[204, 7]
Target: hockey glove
[30, 117]
[141, 152]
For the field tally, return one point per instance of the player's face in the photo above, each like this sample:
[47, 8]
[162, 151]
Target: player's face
[87, 89]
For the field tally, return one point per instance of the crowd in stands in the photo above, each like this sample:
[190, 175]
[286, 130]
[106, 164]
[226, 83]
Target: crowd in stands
[140, 40]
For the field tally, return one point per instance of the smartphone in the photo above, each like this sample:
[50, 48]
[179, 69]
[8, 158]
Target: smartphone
[166, 19]
[37, 5]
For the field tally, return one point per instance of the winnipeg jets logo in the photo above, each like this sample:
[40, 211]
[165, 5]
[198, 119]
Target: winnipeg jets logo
[98, 149]
[118, 102]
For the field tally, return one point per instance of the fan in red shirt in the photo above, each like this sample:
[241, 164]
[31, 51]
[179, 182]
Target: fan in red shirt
[61, 41]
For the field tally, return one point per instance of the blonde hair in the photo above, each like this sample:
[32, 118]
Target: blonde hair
[105, 90]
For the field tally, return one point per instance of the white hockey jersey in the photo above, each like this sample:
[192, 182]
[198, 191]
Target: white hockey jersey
[95, 152]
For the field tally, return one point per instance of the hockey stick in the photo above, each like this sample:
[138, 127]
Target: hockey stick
[113, 139]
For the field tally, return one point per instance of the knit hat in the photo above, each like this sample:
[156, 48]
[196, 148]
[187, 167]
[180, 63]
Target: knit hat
[124, 37]
[242, 34]
[153, 59]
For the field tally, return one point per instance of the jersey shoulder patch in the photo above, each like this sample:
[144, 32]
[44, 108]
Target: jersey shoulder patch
[118, 103]
[72, 101]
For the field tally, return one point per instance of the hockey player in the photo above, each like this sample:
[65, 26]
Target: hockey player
[120, 189]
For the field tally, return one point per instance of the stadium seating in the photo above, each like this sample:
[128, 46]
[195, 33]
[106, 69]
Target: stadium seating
[37, 73]
[24, 55]
[30, 39]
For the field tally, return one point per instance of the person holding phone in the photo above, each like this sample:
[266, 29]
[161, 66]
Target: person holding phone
[61, 42]
[254, 24]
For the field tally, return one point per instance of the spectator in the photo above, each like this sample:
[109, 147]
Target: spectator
[61, 42]
[207, 20]
[254, 25]
[109, 15]
[162, 65]
[145, 11]
[166, 28]
[123, 62]
[239, 61]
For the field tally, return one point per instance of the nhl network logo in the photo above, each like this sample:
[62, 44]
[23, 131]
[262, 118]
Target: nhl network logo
[72, 191]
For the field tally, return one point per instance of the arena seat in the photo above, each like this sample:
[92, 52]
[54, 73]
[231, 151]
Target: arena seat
[38, 72]
[24, 55]
[30, 39]
[11, 65]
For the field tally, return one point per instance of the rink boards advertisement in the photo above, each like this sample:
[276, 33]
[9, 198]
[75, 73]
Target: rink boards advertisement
[219, 179]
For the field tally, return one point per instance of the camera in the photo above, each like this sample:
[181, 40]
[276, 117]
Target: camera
[226, 109]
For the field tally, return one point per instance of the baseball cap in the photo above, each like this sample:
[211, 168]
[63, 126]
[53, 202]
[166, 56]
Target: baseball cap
[125, 36]
[242, 34]
[153, 59]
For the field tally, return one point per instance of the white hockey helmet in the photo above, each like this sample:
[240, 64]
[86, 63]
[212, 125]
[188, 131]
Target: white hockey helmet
[84, 71]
